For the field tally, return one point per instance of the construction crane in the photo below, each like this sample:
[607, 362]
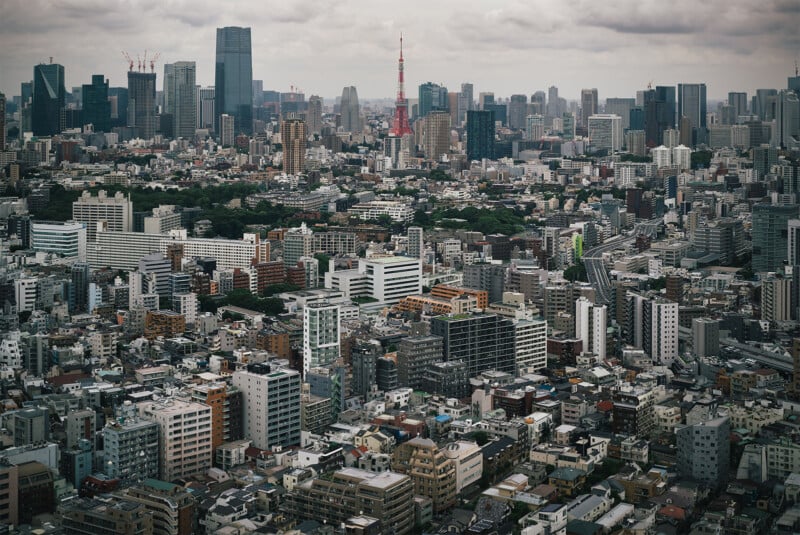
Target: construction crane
[128, 59]
[153, 61]
[650, 84]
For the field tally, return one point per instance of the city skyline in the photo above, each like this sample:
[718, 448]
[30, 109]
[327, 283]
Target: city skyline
[618, 48]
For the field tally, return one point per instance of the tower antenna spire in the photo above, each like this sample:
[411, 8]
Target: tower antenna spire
[400, 126]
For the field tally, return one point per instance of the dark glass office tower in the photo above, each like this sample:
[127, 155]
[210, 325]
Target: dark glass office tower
[480, 134]
[234, 78]
[48, 116]
[692, 103]
[96, 107]
[142, 103]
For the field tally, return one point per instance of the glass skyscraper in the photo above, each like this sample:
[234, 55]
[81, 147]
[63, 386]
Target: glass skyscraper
[234, 77]
[142, 103]
[180, 97]
[480, 134]
[96, 106]
[48, 116]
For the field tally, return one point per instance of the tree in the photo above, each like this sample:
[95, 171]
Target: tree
[481, 438]
[576, 273]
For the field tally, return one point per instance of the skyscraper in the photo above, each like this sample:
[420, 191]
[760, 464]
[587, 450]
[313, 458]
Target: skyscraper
[314, 114]
[770, 240]
[621, 107]
[2, 121]
[227, 127]
[142, 103]
[480, 134]
[605, 132]
[739, 103]
[96, 107]
[432, 97]
[351, 111]
[293, 138]
[517, 111]
[787, 119]
[535, 127]
[692, 105]
[48, 115]
[234, 77]
[590, 326]
[437, 135]
[588, 105]
[206, 117]
[465, 102]
[80, 272]
[180, 96]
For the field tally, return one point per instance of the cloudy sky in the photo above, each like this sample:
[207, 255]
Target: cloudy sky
[514, 46]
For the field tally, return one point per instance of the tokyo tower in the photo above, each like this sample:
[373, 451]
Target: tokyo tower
[400, 126]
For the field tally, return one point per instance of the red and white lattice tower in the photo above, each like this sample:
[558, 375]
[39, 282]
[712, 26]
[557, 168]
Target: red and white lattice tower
[400, 126]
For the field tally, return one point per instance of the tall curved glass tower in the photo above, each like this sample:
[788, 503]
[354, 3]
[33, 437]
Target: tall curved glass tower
[234, 78]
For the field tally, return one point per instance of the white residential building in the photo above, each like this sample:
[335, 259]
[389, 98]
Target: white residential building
[271, 398]
[530, 346]
[321, 335]
[116, 212]
[591, 325]
[397, 211]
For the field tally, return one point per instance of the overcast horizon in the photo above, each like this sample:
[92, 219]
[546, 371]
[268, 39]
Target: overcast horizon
[618, 46]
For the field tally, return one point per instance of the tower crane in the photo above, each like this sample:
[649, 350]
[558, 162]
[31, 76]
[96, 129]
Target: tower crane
[128, 59]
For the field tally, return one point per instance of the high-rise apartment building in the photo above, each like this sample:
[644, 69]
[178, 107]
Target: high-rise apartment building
[96, 106]
[180, 97]
[321, 335]
[350, 109]
[605, 132]
[591, 323]
[436, 135]
[234, 77]
[314, 114]
[142, 103]
[271, 403]
[704, 451]
[416, 242]
[480, 134]
[131, 445]
[793, 240]
[660, 330]
[530, 346]
[293, 139]
[415, 355]
[185, 435]
[588, 105]
[48, 113]
[227, 129]
[776, 299]
[205, 114]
